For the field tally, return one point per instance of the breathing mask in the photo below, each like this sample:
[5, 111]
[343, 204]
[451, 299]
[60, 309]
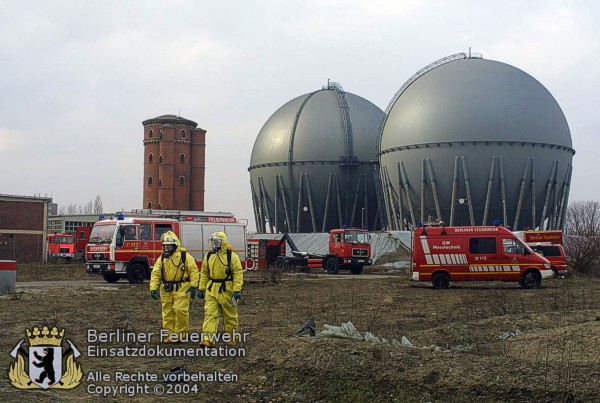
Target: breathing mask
[169, 245]
[215, 242]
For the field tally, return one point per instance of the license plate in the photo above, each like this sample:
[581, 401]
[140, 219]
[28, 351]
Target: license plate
[361, 261]
[96, 266]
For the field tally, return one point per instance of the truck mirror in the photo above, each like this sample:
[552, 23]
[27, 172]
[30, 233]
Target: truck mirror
[120, 236]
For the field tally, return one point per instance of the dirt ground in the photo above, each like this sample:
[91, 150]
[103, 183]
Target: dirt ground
[485, 342]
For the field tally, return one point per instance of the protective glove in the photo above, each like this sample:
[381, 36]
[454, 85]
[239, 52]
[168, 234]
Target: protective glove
[154, 294]
[237, 295]
[192, 291]
[200, 294]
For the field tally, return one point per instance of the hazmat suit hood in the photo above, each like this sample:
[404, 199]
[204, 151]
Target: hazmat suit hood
[224, 244]
[169, 237]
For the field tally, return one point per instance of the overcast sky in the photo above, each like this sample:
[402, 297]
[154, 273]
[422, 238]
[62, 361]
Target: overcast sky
[77, 78]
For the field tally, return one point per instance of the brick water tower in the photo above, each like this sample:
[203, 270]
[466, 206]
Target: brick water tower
[174, 163]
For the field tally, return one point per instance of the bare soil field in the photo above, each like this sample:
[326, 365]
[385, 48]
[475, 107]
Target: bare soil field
[484, 342]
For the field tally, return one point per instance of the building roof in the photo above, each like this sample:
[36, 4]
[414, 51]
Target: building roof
[169, 119]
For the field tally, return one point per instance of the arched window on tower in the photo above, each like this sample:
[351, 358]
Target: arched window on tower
[159, 182]
[150, 158]
[150, 181]
[160, 159]
[181, 158]
[149, 204]
[159, 206]
[160, 136]
[183, 134]
[150, 134]
[181, 180]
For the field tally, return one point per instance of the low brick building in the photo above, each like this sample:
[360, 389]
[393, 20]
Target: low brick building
[23, 228]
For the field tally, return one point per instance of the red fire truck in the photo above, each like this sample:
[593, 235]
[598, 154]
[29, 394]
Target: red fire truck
[60, 246]
[549, 244]
[128, 247]
[445, 254]
[348, 249]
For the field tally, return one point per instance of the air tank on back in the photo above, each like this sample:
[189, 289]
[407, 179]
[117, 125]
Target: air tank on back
[311, 168]
[469, 141]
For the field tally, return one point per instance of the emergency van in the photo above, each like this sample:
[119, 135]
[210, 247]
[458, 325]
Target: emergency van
[129, 247]
[445, 254]
[549, 244]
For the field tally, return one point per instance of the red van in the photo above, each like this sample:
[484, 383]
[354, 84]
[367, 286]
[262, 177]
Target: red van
[555, 254]
[446, 254]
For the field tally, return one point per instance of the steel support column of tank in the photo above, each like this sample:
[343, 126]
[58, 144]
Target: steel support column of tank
[497, 202]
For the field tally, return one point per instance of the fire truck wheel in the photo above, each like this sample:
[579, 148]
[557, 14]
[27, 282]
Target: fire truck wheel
[136, 273]
[110, 277]
[356, 269]
[331, 265]
[440, 281]
[531, 279]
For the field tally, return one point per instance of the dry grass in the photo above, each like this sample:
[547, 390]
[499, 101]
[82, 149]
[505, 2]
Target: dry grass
[477, 341]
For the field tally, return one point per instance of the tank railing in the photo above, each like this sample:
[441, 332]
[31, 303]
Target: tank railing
[341, 94]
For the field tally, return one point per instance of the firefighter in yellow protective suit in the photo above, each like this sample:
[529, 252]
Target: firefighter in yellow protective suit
[176, 275]
[221, 283]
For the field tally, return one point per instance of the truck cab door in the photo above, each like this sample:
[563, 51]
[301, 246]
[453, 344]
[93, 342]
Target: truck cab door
[512, 254]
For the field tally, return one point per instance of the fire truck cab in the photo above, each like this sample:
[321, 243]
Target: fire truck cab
[60, 246]
[445, 254]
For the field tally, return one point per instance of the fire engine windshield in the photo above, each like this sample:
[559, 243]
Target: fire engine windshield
[357, 237]
[61, 239]
[102, 234]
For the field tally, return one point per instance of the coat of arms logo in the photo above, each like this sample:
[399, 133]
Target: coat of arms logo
[45, 361]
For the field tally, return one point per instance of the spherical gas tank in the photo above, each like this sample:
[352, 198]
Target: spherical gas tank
[311, 167]
[469, 141]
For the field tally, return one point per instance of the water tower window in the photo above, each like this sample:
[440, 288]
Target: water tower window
[181, 158]
[150, 134]
[159, 182]
[160, 136]
[149, 204]
[160, 159]
[181, 180]
[150, 158]
[183, 134]
[149, 181]
[159, 207]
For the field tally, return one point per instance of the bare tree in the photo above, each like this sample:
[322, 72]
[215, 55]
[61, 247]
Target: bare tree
[582, 236]
[98, 209]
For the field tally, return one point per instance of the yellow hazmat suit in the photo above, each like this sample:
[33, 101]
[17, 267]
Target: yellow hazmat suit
[182, 278]
[219, 283]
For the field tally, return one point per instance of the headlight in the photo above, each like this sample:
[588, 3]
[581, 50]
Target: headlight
[547, 265]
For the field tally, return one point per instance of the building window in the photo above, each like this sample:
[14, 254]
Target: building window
[183, 134]
[150, 134]
[150, 158]
[159, 206]
[149, 181]
[149, 204]
[159, 182]
[181, 158]
[160, 136]
[181, 180]
[160, 159]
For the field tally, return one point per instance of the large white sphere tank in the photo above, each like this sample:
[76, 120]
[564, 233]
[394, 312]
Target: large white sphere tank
[312, 165]
[470, 141]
